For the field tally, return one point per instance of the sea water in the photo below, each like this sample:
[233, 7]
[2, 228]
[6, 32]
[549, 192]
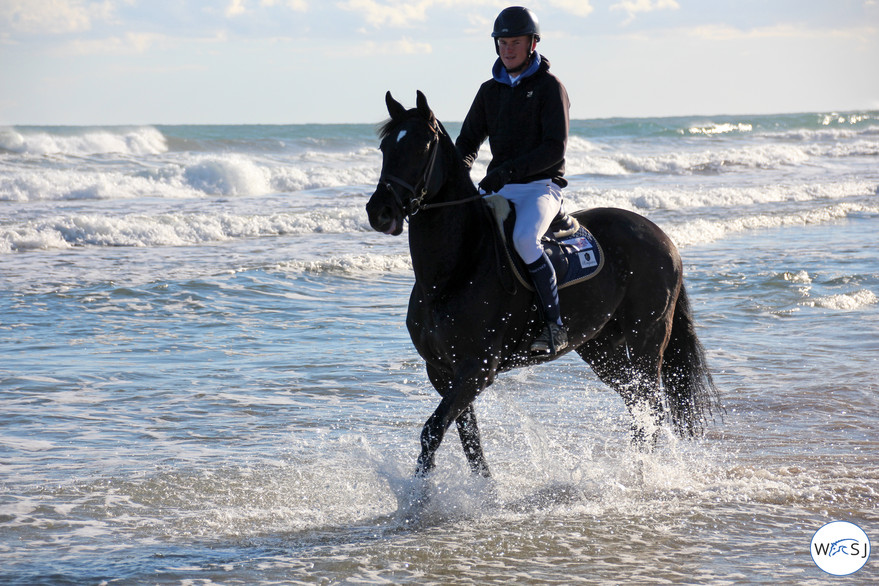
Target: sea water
[206, 376]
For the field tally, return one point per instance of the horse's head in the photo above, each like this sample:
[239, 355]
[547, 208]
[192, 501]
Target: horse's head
[410, 147]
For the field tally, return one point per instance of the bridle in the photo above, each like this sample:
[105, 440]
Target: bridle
[419, 191]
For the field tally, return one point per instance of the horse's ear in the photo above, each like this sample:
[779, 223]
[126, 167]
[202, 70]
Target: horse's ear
[395, 108]
[423, 108]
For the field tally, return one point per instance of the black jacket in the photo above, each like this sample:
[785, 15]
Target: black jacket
[527, 126]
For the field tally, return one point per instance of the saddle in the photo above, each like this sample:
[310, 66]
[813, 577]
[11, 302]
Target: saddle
[573, 251]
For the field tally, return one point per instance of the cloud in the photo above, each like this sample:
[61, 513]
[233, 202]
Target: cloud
[238, 7]
[134, 43]
[403, 13]
[633, 7]
[52, 16]
[295, 5]
[722, 32]
[401, 47]
[378, 14]
[235, 8]
[126, 44]
[576, 7]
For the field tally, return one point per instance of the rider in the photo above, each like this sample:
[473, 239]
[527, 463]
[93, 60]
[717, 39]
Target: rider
[523, 111]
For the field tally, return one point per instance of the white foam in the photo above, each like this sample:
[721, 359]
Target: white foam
[594, 164]
[801, 277]
[132, 141]
[703, 231]
[582, 195]
[171, 229]
[11, 140]
[30, 238]
[578, 144]
[845, 301]
[181, 176]
[716, 161]
[352, 263]
[29, 185]
[713, 161]
[720, 128]
[290, 178]
[835, 118]
[227, 175]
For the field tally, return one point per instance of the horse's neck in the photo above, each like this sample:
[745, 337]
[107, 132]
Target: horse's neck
[445, 241]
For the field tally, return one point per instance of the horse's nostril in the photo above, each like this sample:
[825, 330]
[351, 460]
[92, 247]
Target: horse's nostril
[380, 217]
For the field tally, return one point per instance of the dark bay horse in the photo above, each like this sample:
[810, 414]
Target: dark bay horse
[469, 319]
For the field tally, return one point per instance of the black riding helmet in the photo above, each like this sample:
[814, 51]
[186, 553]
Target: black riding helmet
[515, 21]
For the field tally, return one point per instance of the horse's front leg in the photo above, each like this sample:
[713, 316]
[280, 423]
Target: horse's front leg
[456, 404]
[468, 431]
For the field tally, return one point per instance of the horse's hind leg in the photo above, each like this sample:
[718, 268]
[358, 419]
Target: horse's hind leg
[634, 374]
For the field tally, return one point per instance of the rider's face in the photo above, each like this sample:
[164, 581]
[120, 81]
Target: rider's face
[514, 51]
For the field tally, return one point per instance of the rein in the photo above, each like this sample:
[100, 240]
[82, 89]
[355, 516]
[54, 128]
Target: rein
[444, 204]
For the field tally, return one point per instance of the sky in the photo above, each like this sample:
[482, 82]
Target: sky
[121, 62]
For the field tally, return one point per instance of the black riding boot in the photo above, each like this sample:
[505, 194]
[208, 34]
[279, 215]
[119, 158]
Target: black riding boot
[553, 339]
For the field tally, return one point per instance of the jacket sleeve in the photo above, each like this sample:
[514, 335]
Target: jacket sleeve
[474, 131]
[549, 153]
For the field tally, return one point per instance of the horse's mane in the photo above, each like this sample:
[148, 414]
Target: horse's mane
[385, 128]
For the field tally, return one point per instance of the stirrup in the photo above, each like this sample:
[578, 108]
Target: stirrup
[552, 340]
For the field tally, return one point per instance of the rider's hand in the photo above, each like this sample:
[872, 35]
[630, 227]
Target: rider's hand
[496, 179]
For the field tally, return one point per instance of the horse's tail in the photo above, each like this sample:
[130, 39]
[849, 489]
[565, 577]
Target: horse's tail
[689, 389]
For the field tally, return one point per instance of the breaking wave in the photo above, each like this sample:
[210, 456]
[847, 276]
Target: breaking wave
[144, 140]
